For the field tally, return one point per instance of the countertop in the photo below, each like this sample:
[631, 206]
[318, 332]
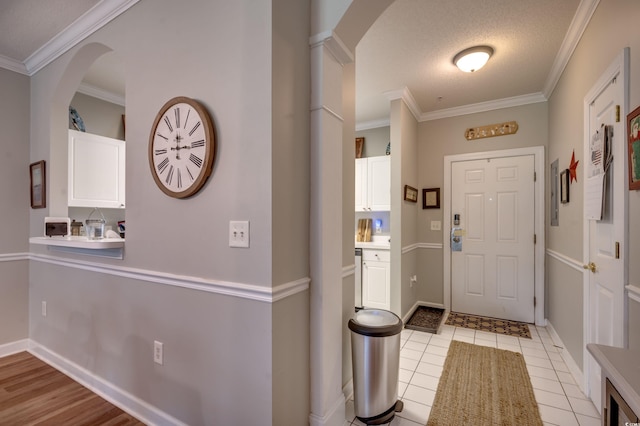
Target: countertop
[622, 367]
[372, 245]
[381, 242]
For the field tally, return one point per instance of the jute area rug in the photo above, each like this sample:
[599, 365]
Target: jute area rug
[484, 386]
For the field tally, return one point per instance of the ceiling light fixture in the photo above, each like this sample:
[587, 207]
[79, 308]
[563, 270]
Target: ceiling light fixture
[473, 58]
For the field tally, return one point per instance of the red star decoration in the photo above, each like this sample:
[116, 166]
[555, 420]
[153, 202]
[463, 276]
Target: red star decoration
[572, 168]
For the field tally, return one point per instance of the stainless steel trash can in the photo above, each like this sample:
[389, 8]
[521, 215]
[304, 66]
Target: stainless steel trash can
[375, 354]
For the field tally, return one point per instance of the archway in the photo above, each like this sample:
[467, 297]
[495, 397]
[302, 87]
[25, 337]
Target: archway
[59, 112]
[332, 48]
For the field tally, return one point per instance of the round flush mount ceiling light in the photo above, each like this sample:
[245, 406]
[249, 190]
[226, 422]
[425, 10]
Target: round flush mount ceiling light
[473, 58]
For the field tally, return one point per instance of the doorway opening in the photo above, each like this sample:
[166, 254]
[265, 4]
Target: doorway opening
[537, 153]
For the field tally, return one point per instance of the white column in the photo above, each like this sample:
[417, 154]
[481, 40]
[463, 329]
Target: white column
[327, 400]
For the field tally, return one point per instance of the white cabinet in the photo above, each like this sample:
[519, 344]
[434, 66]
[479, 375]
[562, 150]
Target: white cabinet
[96, 171]
[373, 184]
[376, 279]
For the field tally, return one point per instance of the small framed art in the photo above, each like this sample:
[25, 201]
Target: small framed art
[410, 194]
[431, 198]
[38, 185]
[633, 137]
[359, 147]
[564, 186]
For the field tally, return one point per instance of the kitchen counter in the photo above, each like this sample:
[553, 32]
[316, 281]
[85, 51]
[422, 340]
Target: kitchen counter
[382, 242]
[622, 368]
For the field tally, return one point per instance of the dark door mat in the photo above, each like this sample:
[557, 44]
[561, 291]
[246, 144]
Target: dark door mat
[492, 325]
[425, 318]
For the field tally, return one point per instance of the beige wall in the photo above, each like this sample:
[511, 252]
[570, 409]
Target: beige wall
[15, 206]
[442, 137]
[223, 353]
[612, 27]
[99, 117]
[375, 141]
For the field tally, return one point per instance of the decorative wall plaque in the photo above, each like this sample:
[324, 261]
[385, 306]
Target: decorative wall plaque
[500, 129]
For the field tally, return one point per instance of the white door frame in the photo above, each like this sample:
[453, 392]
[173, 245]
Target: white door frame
[539, 250]
[619, 69]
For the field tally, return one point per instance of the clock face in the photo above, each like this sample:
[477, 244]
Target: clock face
[181, 147]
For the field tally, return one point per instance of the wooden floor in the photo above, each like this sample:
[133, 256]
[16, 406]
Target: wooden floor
[34, 393]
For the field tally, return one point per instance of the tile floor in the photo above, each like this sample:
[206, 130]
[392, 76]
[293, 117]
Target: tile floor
[422, 356]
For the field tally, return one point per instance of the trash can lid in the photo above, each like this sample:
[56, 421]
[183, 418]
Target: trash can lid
[375, 323]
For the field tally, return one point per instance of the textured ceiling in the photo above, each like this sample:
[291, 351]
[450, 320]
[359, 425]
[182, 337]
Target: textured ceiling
[26, 25]
[410, 47]
[414, 41]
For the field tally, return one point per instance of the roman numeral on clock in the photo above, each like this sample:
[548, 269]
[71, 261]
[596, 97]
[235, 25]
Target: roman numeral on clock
[163, 165]
[196, 160]
[186, 120]
[160, 151]
[169, 176]
[163, 137]
[177, 111]
[166, 120]
[179, 178]
[197, 144]
[194, 128]
[190, 175]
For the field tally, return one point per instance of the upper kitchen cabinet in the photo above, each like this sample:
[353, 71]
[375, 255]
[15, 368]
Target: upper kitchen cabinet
[96, 171]
[373, 184]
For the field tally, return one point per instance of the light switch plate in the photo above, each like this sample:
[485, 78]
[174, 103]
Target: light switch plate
[436, 225]
[239, 233]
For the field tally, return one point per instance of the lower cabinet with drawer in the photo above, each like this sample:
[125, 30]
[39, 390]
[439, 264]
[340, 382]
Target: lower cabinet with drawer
[376, 279]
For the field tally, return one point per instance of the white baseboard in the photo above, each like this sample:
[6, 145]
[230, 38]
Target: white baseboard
[575, 371]
[336, 415]
[14, 347]
[129, 403]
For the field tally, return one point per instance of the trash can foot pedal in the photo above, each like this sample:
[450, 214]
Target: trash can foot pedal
[384, 418]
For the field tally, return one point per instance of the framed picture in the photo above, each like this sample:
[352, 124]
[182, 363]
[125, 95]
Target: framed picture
[564, 186]
[38, 185]
[410, 194]
[431, 198]
[359, 147]
[633, 136]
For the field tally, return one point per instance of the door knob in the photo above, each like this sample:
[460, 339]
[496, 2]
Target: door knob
[591, 266]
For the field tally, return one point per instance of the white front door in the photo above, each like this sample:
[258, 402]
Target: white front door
[493, 273]
[605, 239]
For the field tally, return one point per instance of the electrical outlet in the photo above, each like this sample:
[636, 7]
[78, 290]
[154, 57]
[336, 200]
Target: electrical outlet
[44, 308]
[239, 233]
[436, 225]
[413, 280]
[158, 352]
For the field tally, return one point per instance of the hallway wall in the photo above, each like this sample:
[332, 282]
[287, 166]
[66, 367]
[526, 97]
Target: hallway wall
[442, 137]
[15, 205]
[215, 308]
[612, 27]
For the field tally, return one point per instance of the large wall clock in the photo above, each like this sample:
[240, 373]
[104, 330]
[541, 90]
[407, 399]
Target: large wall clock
[181, 147]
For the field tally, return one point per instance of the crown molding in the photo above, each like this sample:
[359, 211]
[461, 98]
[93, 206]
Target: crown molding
[334, 45]
[373, 124]
[104, 95]
[514, 101]
[12, 65]
[83, 27]
[579, 23]
[407, 97]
